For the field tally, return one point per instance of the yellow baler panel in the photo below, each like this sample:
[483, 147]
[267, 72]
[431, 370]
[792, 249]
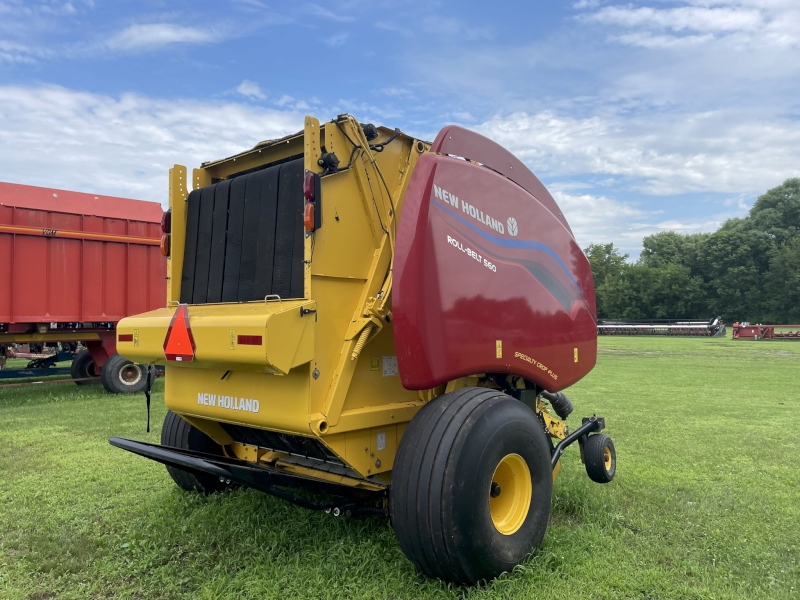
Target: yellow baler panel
[287, 337]
[282, 399]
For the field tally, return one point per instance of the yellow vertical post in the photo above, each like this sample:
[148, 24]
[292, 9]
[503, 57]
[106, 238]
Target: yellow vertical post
[177, 203]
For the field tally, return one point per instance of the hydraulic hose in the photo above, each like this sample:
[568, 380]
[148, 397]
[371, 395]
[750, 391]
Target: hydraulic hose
[560, 403]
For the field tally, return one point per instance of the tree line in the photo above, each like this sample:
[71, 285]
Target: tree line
[747, 270]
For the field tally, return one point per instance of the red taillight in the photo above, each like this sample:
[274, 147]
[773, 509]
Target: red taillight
[166, 222]
[308, 217]
[125, 337]
[310, 186]
[165, 244]
[249, 340]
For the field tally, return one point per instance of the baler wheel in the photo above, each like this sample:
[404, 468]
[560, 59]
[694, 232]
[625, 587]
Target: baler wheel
[82, 367]
[177, 433]
[121, 376]
[600, 458]
[471, 486]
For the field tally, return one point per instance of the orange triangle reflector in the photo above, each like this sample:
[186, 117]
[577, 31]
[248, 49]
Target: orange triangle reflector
[179, 343]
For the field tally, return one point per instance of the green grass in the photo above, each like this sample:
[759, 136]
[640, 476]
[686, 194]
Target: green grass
[706, 502]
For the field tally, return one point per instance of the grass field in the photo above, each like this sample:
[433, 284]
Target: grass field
[705, 504]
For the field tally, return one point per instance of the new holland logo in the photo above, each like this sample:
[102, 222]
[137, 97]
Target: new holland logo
[474, 212]
[229, 402]
[512, 226]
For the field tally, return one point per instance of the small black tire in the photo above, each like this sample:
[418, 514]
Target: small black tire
[121, 376]
[177, 433]
[443, 485]
[82, 367]
[600, 458]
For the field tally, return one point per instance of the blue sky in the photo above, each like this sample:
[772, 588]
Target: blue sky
[639, 117]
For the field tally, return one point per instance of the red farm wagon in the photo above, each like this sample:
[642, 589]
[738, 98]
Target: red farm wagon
[71, 266]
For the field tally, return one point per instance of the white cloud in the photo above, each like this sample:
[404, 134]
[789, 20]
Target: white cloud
[396, 92]
[56, 137]
[679, 19]
[319, 11]
[648, 40]
[689, 226]
[251, 90]
[156, 35]
[336, 40]
[662, 154]
[747, 22]
[599, 219]
[11, 52]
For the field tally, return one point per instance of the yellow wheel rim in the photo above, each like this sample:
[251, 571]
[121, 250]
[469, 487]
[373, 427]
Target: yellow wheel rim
[607, 459]
[510, 494]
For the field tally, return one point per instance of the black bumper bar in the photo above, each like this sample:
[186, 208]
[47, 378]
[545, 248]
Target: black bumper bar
[260, 477]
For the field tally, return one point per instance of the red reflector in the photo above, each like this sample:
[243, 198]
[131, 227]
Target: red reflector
[179, 343]
[308, 217]
[125, 337]
[309, 186]
[249, 340]
[166, 222]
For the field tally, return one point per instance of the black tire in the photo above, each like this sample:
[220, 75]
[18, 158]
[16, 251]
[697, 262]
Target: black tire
[600, 458]
[177, 433]
[82, 367]
[121, 376]
[442, 482]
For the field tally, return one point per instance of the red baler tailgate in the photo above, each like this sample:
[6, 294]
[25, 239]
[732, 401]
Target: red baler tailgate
[487, 280]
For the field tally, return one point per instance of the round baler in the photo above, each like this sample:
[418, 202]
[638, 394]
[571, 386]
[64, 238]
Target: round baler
[383, 322]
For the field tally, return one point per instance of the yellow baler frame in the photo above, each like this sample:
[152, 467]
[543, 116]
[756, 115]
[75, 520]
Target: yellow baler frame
[346, 416]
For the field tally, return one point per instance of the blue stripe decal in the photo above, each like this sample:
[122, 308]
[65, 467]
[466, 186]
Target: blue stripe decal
[526, 244]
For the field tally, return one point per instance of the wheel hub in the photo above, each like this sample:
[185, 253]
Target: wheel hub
[510, 494]
[130, 374]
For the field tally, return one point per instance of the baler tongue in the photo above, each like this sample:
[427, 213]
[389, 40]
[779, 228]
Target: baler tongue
[179, 342]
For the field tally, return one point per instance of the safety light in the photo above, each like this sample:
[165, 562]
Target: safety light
[165, 244]
[312, 215]
[310, 186]
[166, 222]
[308, 217]
[249, 340]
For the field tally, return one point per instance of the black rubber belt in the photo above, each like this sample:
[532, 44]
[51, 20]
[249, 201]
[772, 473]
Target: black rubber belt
[247, 264]
[203, 260]
[266, 256]
[218, 234]
[284, 234]
[233, 244]
[293, 180]
[190, 247]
